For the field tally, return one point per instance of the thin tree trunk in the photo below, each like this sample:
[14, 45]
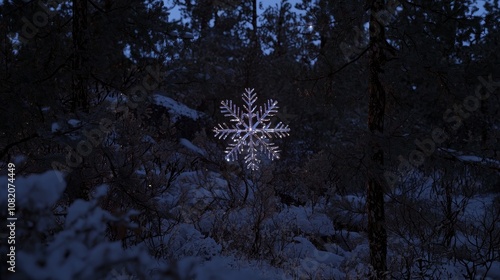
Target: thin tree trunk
[80, 42]
[254, 53]
[375, 192]
[449, 224]
[254, 24]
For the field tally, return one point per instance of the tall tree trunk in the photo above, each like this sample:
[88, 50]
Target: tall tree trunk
[254, 25]
[79, 98]
[376, 108]
[323, 26]
[255, 49]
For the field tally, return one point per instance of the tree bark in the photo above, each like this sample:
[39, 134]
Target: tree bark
[79, 98]
[254, 24]
[376, 108]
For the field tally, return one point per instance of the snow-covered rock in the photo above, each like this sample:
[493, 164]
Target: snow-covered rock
[176, 109]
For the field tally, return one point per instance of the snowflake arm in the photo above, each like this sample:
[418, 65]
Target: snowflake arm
[270, 109]
[236, 148]
[250, 129]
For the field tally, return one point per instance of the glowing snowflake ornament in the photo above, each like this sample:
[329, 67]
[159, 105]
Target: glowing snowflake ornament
[251, 129]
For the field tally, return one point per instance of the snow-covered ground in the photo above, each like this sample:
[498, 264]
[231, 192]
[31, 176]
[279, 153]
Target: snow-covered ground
[79, 250]
[220, 223]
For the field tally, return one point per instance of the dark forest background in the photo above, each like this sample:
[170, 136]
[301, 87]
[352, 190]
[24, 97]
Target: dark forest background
[389, 138]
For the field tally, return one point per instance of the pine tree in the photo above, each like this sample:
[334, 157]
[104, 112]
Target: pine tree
[377, 233]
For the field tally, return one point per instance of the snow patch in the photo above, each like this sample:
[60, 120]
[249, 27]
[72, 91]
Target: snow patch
[186, 143]
[56, 127]
[37, 191]
[176, 109]
[74, 122]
